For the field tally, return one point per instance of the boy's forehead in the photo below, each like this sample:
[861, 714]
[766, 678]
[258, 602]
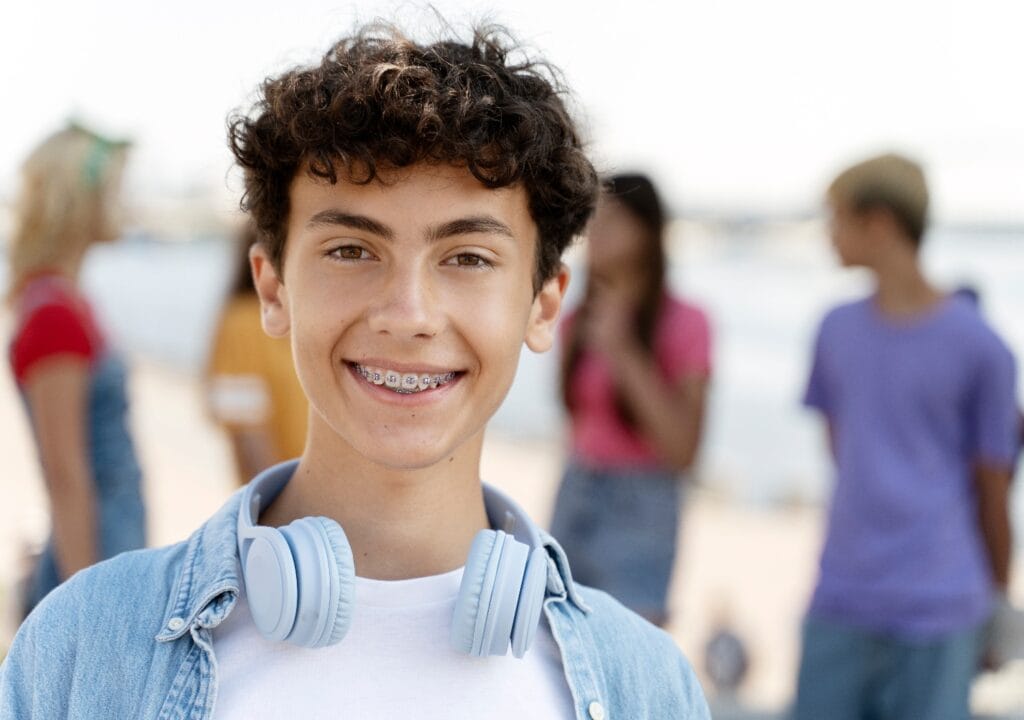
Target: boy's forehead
[416, 193]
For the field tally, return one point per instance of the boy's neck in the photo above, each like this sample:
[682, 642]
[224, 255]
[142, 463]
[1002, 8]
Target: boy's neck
[400, 523]
[901, 287]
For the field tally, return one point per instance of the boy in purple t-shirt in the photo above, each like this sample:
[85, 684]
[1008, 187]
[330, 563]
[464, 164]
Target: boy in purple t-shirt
[919, 395]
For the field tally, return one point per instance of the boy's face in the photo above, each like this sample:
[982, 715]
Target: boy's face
[849, 232]
[425, 277]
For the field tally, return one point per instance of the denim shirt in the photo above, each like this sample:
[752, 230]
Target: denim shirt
[132, 637]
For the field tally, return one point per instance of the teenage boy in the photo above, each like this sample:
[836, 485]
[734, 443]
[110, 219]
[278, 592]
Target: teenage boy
[919, 396]
[413, 203]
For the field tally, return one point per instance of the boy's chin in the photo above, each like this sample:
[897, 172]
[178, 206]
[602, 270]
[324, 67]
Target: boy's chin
[405, 458]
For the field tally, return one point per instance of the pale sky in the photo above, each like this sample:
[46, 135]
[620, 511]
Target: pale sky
[743, 106]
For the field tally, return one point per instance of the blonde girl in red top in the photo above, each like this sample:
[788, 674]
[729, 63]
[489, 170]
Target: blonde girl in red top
[72, 384]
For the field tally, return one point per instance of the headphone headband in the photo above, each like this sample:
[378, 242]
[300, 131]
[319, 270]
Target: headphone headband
[258, 495]
[504, 513]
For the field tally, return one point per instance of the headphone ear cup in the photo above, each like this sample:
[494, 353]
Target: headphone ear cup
[475, 594]
[487, 607]
[325, 572]
[341, 551]
[271, 584]
[508, 583]
[531, 602]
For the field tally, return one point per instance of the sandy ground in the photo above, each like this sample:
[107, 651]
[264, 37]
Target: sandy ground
[750, 567]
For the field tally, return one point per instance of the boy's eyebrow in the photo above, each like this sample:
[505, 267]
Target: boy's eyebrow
[356, 222]
[473, 224]
[462, 226]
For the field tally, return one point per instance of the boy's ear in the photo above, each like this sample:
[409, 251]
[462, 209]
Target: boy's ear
[882, 222]
[540, 330]
[876, 219]
[272, 292]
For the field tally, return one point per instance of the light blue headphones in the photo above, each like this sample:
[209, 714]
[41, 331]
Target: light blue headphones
[300, 579]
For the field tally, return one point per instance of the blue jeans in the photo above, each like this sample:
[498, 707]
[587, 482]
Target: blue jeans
[618, 527]
[120, 515]
[849, 673]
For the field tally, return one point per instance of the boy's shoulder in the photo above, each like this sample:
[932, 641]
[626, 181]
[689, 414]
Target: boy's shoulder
[970, 325]
[844, 313]
[124, 597]
[156, 581]
[640, 666]
[91, 640]
[102, 638]
[119, 587]
[952, 312]
[608, 619]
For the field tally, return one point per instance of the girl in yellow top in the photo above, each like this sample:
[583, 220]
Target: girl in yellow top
[251, 388]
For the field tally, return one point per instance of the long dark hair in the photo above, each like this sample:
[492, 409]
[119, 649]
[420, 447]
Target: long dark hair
[636, 193]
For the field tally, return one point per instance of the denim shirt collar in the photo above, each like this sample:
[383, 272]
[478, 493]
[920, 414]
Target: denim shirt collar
[207, 587]
[205, 590]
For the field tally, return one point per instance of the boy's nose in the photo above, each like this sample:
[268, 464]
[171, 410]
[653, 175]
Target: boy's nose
[406, 306]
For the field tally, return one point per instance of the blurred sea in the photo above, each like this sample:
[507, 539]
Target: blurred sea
[765, 287]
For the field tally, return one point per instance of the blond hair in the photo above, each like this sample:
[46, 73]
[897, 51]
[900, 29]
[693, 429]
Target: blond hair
[892, 182]
[65, 199]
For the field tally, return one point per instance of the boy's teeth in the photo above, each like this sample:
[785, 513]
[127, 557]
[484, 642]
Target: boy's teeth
[403, 382]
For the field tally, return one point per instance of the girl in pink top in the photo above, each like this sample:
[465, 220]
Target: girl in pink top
[634, 376]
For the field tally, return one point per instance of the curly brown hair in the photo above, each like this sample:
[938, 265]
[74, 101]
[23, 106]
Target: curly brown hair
[380, 100]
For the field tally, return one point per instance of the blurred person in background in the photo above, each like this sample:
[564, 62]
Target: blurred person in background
[72, 382]
[971, 293]
[919, 396]
[635, 371]
[251, 388]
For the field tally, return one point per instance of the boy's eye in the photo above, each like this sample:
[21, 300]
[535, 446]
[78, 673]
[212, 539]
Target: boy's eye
[468, 260]
[350, 252]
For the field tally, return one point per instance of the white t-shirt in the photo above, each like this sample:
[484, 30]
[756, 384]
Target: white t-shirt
[395, 662]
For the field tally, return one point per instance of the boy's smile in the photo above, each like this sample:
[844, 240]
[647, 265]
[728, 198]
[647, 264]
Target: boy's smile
[405, 383]
[407, 300]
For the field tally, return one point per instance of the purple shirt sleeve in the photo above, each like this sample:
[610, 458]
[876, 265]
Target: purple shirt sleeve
[993, 414]
[816, 394]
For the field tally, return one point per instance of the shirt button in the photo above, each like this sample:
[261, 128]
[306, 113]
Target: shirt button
[596, 711]
[175, 623]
